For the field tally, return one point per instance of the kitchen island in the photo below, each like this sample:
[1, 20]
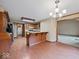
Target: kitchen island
[33, 38]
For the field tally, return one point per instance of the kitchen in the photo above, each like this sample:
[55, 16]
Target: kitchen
[29, 30]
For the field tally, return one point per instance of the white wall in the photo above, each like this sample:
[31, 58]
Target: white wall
[1, 8]
[70, 27]
[49, 26]
[15, 30]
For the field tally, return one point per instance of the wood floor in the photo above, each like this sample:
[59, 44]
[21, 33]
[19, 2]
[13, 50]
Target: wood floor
[45, 50]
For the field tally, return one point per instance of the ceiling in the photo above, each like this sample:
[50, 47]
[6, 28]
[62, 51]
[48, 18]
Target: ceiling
[37, 9]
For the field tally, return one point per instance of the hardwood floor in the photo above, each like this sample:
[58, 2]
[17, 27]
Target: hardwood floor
[45, 50]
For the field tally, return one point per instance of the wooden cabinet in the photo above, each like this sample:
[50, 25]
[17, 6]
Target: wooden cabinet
[35, 38]
[32, 26]
[5, 38]
[3, 22]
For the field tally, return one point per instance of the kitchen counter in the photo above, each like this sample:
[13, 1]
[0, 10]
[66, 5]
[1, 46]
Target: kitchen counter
[35, 37]
[36, 32]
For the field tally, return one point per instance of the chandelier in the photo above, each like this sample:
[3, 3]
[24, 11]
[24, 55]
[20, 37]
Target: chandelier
[57, 10]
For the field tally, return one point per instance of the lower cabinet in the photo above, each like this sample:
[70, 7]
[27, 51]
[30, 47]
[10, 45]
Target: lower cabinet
[35, 38]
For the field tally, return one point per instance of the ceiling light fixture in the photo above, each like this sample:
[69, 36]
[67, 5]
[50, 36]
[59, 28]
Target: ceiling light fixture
[57, 10]
[60, 15]
[64, 11]
[50, 14]
[25, 19]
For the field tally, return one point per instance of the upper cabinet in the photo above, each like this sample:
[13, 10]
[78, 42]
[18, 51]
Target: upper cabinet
[33, 26]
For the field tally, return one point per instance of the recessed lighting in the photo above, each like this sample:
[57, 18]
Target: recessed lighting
[24, 20]
[50, 13]
[64, 11]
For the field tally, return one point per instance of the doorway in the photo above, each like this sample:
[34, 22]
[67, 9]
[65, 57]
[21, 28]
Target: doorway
[19, 29]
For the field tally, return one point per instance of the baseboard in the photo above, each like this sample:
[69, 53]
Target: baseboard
[69, 35]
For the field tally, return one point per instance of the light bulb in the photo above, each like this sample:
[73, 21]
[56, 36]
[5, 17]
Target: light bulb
[50, 13]
[57, 10]
[64, 11]
[60, 15]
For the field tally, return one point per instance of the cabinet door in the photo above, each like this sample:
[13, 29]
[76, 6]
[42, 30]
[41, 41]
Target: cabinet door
[3, 22]
[39, 37]
[43, 37]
